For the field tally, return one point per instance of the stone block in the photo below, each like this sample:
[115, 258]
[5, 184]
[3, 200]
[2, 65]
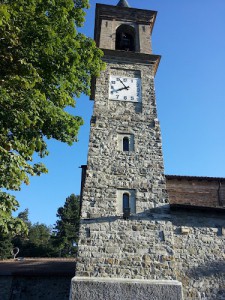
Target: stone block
[124, 289]
[185, 230]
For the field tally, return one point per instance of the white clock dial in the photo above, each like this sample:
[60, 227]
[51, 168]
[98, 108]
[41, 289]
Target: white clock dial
[125, 88]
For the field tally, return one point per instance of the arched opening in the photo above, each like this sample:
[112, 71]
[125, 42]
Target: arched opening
[126, 144]
[125, 38]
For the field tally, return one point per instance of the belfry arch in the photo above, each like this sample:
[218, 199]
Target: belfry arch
[125, 38]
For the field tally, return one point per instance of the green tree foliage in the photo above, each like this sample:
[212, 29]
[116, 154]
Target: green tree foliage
[23, 215]
[67, 227]
[39, 234]
[6, 246]
[7, 238]
[42, 240]
[44, 64]
[38, 243]
[9, 224]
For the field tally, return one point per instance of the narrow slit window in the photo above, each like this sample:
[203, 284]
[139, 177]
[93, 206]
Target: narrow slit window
[126, 201]
[126, 144]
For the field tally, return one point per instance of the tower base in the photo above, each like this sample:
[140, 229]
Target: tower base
[87, 288]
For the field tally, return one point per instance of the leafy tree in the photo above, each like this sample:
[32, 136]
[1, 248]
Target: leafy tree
[38, 243]
[24, 215]
[39, 234]
[42, 240]
[67, 227]
[5, 246]
[44, 64]
[20, 240]
[10, 240]
[9, 224]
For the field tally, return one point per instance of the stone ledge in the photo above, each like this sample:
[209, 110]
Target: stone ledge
[85, 288]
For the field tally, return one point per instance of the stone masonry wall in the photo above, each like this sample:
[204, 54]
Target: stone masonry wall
[134, 249]
[199, 240]
[141, 247]
[109, 168]
[191, 244]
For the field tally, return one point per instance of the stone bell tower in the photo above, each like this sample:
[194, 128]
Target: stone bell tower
[126, 241]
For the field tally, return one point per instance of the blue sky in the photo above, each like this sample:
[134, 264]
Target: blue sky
[190, 91]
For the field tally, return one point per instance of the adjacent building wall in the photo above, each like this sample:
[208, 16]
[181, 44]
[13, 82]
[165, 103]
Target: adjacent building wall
[196, 191]
[197, 214]
[199, 240]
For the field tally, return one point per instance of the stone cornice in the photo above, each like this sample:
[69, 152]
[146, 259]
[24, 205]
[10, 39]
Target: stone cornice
[133, 57]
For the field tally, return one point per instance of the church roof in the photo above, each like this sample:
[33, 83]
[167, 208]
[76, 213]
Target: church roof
[123, 3]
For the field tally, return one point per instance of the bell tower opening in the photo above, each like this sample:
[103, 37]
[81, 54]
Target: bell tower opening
[125, 38]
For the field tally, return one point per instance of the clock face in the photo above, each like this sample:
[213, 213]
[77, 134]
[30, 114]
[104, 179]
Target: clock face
[125, 88]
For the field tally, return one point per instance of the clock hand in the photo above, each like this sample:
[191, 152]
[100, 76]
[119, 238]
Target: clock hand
[125, 87]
